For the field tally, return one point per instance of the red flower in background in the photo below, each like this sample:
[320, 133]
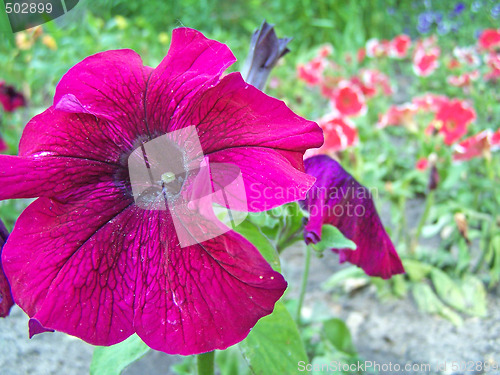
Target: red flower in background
[399, 46]
[312, 71]
[463, 80]
[425, 57]
[453, 119]
[10, 98]
[425, 63]
[489, 39]
[430, 102]
[376, 48]
[467, 55]
[372, 81]
[398, 115]
[478, 145]
[493, 62]
[340, 132]
[422, 164]
[495, 140]
[348, 99]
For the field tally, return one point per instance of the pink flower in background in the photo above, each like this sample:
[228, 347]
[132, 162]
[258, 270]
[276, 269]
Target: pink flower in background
[430, 102]
[399, 46]
[425, 63]
[348, 99]
[495, 140]
[372, 82]
[452, 120]
[340, 132]
[312, 71]
[377, 48]
[467, 56]
[399, 115]
[360, 55]
[6, 301]
[476, 146]
[426, 57]
[463, 80]
[422, 164]
[339, 200]
[10, 98]
[89, 258]
[325, 50]
[489, 40]
[493, 62]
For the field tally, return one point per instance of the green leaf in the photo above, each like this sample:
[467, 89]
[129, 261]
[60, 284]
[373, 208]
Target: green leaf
[253, 234]
[112, 360]
[342, 275]
[416, 270]
[274, 345]
[332, 238]
[475, 296]
[428, 302]
[337, 333]
[399, 285]
[447, 289]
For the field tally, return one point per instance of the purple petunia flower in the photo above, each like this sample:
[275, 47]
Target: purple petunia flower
[339, 200]
[5, 294]
[10, 98]
[100, 255]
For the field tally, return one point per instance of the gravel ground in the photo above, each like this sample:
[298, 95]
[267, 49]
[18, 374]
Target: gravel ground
[384, 332]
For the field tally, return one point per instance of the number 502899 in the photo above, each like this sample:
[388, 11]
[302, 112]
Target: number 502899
[25, 8]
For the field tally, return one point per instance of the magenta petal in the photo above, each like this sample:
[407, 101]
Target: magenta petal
[61, 177]
[73, 269]
[78, 135]
[193, 64]
[271, 177]
[202, 297]
[6, 301]
[338, 199]
[35, 328]
[110, 85]
[245, 116]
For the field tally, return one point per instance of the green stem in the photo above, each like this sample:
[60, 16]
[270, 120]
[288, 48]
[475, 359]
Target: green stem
[303, 286]
[289, 240]
[425, 215]
[205, 363]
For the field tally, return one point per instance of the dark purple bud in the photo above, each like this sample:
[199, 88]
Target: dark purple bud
[433, 178]
[265, 50]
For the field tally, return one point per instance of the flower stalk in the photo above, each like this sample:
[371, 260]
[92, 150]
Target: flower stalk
[205, 363]
[303, 285]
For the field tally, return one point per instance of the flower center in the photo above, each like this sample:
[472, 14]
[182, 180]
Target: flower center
[157, 171]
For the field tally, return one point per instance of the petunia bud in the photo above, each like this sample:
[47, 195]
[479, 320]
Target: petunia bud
[265, 50]
[462, 226]
[433, 178]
